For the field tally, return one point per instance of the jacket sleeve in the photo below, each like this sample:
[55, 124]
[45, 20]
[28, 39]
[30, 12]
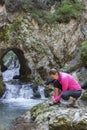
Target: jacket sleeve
[64, 88]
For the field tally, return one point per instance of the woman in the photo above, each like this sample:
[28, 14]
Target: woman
[65, 86]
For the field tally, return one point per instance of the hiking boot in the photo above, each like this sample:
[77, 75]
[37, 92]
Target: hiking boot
[52, 104]
[74, 104]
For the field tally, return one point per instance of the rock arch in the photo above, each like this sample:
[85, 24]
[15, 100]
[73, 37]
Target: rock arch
[24, 69]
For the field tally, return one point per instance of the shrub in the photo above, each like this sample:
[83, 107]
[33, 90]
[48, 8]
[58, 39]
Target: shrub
[64, 11]
[84, 52]
[68, 11]
[4, 34]
[19, 5]
[62, 14]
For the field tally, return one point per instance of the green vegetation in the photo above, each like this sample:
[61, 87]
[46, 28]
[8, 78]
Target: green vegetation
[40, 9]
[84, 52]
[1, 87]
[4, 34]
[39, 48]
[66, 11]
[10, 33]
[84, 96]
[10, 53]
[16, 26]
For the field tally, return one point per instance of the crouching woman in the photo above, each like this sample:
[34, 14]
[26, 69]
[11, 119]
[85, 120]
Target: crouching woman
[65, 86]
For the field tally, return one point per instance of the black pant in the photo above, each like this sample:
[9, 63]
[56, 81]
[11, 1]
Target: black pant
[71, 93]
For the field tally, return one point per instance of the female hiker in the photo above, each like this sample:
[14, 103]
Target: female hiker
[65, 86]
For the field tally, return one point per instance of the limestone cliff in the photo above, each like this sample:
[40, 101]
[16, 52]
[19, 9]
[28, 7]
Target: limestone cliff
[49, 45]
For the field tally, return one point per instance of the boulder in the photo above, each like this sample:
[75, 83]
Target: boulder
[57, 117]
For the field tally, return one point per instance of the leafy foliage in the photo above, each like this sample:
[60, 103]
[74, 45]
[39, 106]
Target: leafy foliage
[4, 34]
[40, 9]
[64, 13]
[84, 52]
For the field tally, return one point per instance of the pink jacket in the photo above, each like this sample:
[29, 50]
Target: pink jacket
[68, 83]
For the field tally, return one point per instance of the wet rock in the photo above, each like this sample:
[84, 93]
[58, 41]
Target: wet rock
[36, 93]
[23, 123]
[84, 85]
[55, 117]
[59, 117]
[47, 91]
[26, 124]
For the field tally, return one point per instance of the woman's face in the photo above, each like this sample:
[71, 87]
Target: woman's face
[54, 76]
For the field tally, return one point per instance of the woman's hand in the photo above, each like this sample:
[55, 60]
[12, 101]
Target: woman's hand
[57, 99]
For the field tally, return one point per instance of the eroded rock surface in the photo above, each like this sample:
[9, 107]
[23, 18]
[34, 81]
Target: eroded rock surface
[45, 117]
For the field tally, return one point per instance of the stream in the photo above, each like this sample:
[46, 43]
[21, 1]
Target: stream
[18, 97]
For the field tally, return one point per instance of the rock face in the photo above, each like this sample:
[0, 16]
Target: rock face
[43, 47]
[3, 15]
[53, 118]
[49, 46]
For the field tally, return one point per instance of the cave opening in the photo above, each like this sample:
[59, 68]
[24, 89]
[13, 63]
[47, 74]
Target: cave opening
[11, 64]
[13, 59]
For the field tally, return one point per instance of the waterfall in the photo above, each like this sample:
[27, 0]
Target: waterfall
[15, 89]
[18, 97]
[22, 91]
[41, 90]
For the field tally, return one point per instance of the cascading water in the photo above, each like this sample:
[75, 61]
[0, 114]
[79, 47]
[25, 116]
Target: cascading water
[18, 97]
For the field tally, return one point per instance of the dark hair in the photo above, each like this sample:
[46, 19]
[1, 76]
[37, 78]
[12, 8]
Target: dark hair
[53, 71]
[2, 2]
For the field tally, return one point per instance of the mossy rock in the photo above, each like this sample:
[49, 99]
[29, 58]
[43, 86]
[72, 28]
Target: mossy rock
[84, 52]
[48, 91]
[38, 48]
[2, 88]
[4, 34]
[84, 96]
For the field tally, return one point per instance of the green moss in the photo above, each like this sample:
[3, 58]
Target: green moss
[1, 87]
[84, 96]
[84, 52]
[17, 23]
[84, 44]
[67, 11]
[38, 48]
[4, 34]
[38, 110]
[7, 33]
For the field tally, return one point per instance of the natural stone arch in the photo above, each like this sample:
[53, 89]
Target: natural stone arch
[24, 69]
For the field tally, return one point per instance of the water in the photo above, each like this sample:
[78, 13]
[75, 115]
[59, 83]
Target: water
[18, 97]
[11, 109]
